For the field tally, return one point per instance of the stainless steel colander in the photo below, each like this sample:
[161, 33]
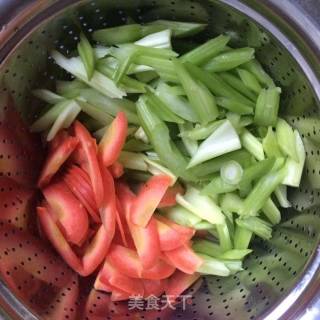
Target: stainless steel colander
[281, 279]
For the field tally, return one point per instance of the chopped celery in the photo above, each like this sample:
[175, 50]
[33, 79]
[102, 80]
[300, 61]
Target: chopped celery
[213, 266]
[229, 60]
[70, 89]
[249, 80]
[255, 68]
[270, 144]
[48, 96]
[161, 40]
[281, 195]
[182, 216]
[286, 139]
[218, 186]
[252, 144]
[223, 140]
[86, 54]
[201, 99]
[135, 145]
[141, 135]
[207, 247]
[146, 76]
[294, 169]
[224, 237]
[267, 107]
[235, 254]
[155, 168]
[231, 172]
[256, 225]
[202, 206]
[233, 265]
[231, 202]
[152, 156]
[271, 211]
[177, 91]
[203, 225]
[242, 238]
[191, 145]
[100, 133]
[133, 160]
[206, 51]
[234, 105]
[101, 52]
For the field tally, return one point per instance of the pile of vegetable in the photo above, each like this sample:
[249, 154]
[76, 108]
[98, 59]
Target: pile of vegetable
[162, 166]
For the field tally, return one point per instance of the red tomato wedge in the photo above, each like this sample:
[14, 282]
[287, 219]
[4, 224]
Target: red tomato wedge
[119, 295]
[148, 199]
[154, 287]
[113, 140]
[117, 170]
[169, 198]
[88, 147]
[179, 282]
[121, 223]
[69, 212]
[57, 140]
[56, 158]
[184, 259]
[161, 270]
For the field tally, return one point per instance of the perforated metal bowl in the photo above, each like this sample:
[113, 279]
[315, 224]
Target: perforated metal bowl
[281, 277]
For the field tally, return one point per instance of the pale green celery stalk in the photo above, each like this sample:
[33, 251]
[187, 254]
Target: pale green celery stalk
[135, 145]
[216, 84]
[201, 99]
[149, 51]
[255, 68]
[213, 266]
[65, 119]
[229, 60]
[100, 82]
[101, 51]
[152, 156]
[46, 120]
[224, 237]
[160, 40]
[267, 107]
[234, 106]
[177, 104]
[203, 225]
[231, 202]
[207, 247]
[245, 121]
[249, 80]
[270, 144]
[182, 216]
[180, 29]
[146, 76]
[201, 132]
[141, 135]
[231, 172]
[261, 192]
[70, 89]
[252, 144]
[218, 186]
[238, 85]
[256, 225]
[244, 189]
[281, 195]
[235, 118]
[294, 169]
[206, 51]
[200, 205]
[223, 140]
[159, 136]
[233, 265]
[133, 160]
[286, 139]
[177, 91]
[271, 211]
[242, 238]
[191, 145]
[86, 54]
[48, 96]
[235, 254]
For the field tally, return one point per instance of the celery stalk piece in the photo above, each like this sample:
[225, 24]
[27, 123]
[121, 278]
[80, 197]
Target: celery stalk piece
[231, 202]
[46, 120]
[177, 91]
[245, 121]
[155, 168]
[135, 145]
[180, 29]
[271, 211]
[206, 51]
[261, 192]
[98, 81]
[95, 112]
[294, 169]
[191, 145]
[200, 205]
[286, 139]
[231, 172]
[149, 51]
[141, 135]
[177, 104]
[249, 80]
[267, 107]
[235, 254]
[252, 144]
[182, 216]
[213, 266]
[234, 105]
[70, 89]
[207, 247]
[65, 119]
[256, 225]
[281, 195]
[203, 225]
[238, 85]
[152, 156]
[224, 237]
[101, 51]
[256, 68]
[201, 99]
[146, 76]
[160, 40]
[133, 160]
[47, 96]
[233, 265]
[216, 84]
[270, 144]
[218, 186]
[86, 54]
[242, 238]
[223, 140]
[229, 60]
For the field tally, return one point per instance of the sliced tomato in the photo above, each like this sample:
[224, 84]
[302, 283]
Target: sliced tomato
[70, 213]
[180, 282]
[58, 140]
[119, 295]
[102, 285]
[169, 198]
[148, 199]
[121, 223]
[113, 140]
[125, 196]
[117, 170]
[161, 270]
[154, 287]
[184, 259]
[88, 146]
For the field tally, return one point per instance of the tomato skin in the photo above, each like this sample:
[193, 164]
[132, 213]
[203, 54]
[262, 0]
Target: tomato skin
[117, 170]
[161, 270]
[169, 198]
[113, 140]
[154, 287]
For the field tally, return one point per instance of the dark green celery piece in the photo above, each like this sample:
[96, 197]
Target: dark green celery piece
[256, 68]
[256, 225]
[242, 238]
[135, 145]
[87, 55]
[206, 51]
[229, 60]
[234, 105]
